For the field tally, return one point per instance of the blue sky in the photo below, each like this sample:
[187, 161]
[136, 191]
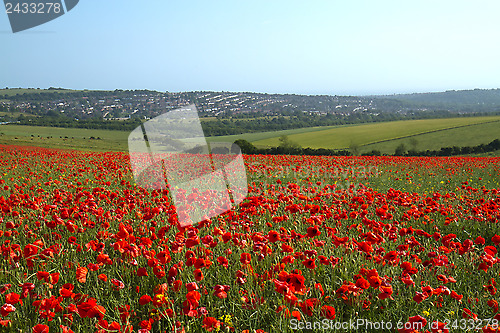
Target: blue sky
[305, 47]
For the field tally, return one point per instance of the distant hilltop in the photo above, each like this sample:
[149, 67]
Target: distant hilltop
[145, 104]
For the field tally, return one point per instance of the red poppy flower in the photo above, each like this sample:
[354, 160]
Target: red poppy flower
[456, 296]
[145, 299]
[81, 274]
[117, 284]
[385, 292]
[40, 275]
[309, 305]
[313, 232]
[176, 285]
[245, 258]
[223, 262]
[30, 250]
[493, 304]
[193, 297]
[362, 283]
[375, 281]
[198, 275]
[479, 241]
[66, 329]
[191, 303]
[467, 314]
[365, 247]
[40, 328]
[4, 288]
[192, 286]
[309, 263]
[273, 236]
[6, 309]
[221, 291]
[491, 289]
[141, 271]
[210, 323]
[66, 291]
[13, 298]
[491, 250]
[328, 312]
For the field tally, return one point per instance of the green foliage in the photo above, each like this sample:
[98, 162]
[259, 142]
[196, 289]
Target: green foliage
[354, 149]
[400, 150]
[53, 119]
[245, 146]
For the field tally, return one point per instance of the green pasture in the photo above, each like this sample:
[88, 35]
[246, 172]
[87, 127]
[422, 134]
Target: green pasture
[428, 133]
[66, 138]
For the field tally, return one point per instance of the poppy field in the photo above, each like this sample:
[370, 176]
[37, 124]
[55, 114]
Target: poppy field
[318, 242]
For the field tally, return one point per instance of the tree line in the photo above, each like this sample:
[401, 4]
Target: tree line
[91, 123]
[287, 147]
[450, 151]
[297, 119]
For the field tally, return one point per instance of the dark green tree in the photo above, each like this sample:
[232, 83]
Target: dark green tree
[400, 150]
[245, 146]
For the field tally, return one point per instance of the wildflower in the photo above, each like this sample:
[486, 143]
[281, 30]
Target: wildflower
[81, 274]
[220, 291]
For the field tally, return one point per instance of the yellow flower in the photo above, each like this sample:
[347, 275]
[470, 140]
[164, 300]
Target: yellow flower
[226, 319]
[426, 313]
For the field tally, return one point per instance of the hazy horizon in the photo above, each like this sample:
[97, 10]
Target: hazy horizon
[251, 92]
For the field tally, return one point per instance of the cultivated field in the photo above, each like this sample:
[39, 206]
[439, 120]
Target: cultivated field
[431, 134]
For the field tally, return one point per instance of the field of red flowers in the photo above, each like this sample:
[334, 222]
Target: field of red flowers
[320, 243]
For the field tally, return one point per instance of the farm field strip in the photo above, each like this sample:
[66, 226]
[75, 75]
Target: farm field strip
[341, 138]
[495, 122]
[472, 135]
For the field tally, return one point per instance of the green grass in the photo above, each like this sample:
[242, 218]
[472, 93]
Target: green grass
[430, 133]
[463, 136]
[78, 138]
[255, 138]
